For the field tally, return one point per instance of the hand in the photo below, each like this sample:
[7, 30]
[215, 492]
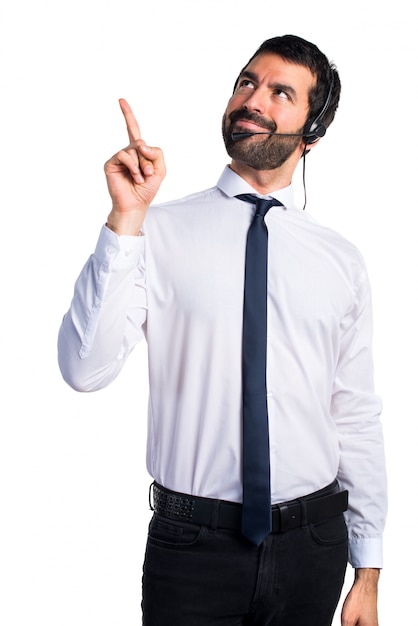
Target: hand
[133, 176]
[360, 605]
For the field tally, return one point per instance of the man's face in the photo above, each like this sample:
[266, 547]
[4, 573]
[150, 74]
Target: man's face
[271, 95]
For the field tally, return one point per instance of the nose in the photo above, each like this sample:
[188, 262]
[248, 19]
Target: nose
[255, 101]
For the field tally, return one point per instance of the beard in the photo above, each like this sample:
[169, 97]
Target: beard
[264, 153]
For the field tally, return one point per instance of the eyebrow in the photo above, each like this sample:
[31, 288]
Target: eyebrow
[278, 86]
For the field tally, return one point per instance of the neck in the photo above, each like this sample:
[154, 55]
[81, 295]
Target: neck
[266, 181]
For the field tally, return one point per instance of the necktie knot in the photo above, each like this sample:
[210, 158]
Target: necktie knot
[262, 205]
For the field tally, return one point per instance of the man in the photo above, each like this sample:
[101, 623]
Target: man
[176, 273]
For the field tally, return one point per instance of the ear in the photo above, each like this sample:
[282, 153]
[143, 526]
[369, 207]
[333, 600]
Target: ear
[307, 147]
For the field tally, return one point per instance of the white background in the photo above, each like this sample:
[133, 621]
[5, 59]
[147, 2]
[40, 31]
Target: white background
[73, 483]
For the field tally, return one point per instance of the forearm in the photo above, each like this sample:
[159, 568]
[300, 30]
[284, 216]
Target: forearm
[125, 224]
[360, 606]
[367, 577]
[106, 314]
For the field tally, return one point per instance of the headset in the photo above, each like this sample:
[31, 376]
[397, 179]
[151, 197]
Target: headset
[316, 129]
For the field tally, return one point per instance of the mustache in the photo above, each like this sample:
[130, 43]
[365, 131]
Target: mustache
[242, 114]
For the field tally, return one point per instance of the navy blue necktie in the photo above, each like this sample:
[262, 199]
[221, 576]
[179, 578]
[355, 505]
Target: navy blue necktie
[256, 505]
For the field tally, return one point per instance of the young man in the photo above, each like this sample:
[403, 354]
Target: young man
[176, 273]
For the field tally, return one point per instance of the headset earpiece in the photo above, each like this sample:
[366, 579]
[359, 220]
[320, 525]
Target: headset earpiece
[314, 133]
[316, 129]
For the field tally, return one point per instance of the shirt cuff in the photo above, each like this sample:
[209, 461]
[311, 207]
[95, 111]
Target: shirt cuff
[119, 252]
[366, 552]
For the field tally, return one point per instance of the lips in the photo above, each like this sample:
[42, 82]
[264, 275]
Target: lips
[242, 120]
[248, 125]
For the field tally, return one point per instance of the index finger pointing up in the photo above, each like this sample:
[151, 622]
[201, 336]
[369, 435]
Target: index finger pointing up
[131, 123]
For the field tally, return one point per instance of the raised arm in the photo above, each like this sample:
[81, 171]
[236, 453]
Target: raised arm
[108, 310]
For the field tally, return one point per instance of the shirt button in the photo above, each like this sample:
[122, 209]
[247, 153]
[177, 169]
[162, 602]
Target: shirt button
[110, 250]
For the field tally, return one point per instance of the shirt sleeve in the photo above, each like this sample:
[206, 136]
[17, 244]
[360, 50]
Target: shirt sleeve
[356, 410]
[107, 315]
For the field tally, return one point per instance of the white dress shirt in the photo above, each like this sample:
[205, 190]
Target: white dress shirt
[180, 284]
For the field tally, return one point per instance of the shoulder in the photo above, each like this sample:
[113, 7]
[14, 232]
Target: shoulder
[332, 239]
[190, 200]
[198, 209]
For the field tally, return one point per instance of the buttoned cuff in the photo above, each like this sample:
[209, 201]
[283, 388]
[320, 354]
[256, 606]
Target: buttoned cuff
[366, 552]
[118, 252]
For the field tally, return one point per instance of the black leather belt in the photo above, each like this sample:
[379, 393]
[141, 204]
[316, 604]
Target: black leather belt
[315, 507]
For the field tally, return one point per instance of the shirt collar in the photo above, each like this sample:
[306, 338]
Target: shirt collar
[232, 184]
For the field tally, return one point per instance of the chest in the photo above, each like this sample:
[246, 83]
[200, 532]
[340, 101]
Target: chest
[198, 269]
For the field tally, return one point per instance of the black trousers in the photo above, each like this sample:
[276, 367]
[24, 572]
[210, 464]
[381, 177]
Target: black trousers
[197, 576]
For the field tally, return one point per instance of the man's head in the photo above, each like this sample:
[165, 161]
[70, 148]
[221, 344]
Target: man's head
[282, 89]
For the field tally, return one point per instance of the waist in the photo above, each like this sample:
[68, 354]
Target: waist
[314, 507]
